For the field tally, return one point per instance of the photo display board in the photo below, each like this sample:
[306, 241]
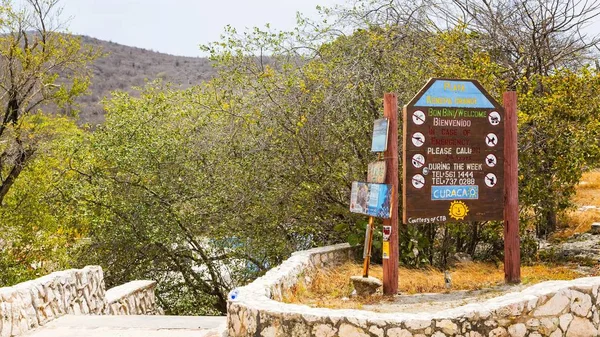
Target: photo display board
[380, 135]
[370, 199]
[453, 158]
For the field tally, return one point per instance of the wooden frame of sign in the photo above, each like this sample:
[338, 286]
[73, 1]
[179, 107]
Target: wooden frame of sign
[460, 160]
[453, 154]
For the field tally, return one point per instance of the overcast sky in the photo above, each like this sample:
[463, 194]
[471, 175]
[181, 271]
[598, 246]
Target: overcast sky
[179, 26]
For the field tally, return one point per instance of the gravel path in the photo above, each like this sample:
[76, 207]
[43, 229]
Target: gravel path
[440, 301]
[132, 326]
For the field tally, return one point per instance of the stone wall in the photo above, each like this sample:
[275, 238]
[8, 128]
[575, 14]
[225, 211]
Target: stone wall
[554, 309]
[133, 298]
[28, 305]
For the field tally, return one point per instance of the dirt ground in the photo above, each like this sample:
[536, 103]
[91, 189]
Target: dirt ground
[421, 289]
[416, 303]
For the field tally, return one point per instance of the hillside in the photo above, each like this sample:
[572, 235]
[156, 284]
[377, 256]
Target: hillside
[123, 67]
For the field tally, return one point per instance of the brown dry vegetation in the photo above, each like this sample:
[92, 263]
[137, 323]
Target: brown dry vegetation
[588, 190]
[328, 287]
[588, 194]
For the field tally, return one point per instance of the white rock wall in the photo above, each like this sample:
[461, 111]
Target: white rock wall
[28, 305]
[34, 303]
[554, 309]
[133, 298]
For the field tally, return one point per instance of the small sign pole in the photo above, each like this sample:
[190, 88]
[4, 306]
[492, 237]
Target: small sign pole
[368, 246]
[512, 253]
[390, 265]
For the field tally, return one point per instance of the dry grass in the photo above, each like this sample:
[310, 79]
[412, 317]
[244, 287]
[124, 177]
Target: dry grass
[329, 286]
[588, 194]
[576, 222]
[588, 190]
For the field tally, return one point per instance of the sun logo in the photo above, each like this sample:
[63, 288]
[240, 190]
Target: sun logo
[458, 210]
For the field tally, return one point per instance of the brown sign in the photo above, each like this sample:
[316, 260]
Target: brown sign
[453, 164]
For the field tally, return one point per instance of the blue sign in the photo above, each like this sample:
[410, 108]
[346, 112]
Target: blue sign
[371, 199]
[380, 135]
[454, 192]
[454, 94]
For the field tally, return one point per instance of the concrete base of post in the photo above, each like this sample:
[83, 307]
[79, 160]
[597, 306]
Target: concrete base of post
[365, 286]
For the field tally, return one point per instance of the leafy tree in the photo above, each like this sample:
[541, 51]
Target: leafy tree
[176, 195]
[559, 137]
[41, 223]
[33, 57]
[322, 107]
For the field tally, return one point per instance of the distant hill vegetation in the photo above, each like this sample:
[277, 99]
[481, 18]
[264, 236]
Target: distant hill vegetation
[124, 67]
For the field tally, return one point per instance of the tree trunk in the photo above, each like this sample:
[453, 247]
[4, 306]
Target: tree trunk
[474, 239]
[431, 239]
[15, 171]
[445, 248]
[550, 221]
[11, 114]
[221, 304]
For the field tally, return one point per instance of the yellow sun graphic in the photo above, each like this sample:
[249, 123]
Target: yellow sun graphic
[458, 210]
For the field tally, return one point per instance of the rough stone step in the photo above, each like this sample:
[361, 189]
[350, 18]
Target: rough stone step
[595, 228]
[132, 326]
[588, 208]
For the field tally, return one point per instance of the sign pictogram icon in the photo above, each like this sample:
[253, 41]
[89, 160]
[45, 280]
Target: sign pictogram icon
[458, 210]
[494, 118]
[491, 140]
[491, 160]
[418, 181]
[418, 160]
[418, 139]
[418, 117]
[490, 180]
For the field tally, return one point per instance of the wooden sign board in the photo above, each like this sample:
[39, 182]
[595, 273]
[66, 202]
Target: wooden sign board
[376, 172]
[453, 154]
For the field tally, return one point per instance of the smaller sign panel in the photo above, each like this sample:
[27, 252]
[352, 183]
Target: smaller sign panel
[376, 173]
[371, 199]
[455, 192]
[386, 250]
[453, 94]
[380, 135]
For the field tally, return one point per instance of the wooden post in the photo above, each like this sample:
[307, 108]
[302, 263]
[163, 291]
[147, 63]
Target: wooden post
[512, 249]
[368, 248]
[390, 266]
